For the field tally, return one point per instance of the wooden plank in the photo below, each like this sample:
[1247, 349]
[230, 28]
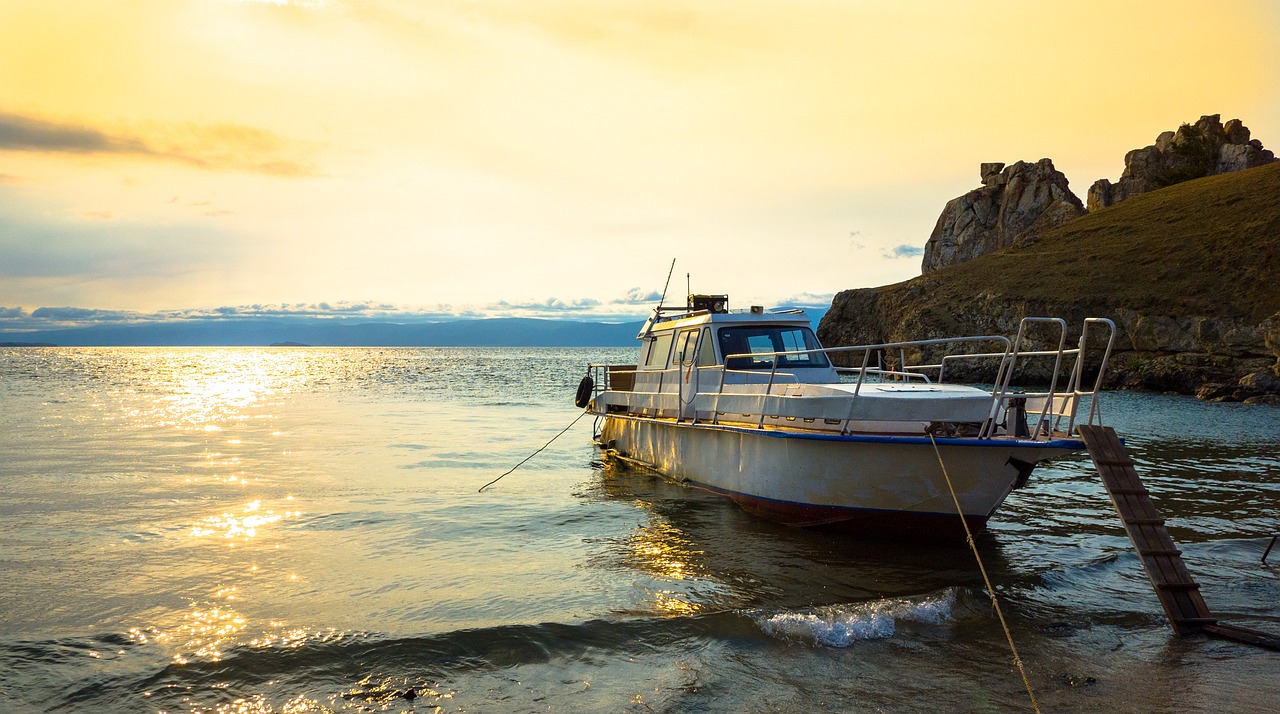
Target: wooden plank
[1173, 583]
[1243, 634]
[1145, 521]
[1113, 462]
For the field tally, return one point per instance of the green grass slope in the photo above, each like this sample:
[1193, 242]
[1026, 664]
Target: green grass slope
[1207, 247]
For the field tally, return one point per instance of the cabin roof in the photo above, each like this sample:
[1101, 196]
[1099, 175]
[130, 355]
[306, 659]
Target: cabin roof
[736, 317]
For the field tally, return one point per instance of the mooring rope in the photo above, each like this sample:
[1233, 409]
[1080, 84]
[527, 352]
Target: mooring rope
[968, 536]
[530, 456]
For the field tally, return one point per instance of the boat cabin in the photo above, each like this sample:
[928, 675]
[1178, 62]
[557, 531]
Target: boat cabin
[708, 347]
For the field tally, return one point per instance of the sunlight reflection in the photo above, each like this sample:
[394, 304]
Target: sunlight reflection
[669, 602]
[240, 526]
[258, 704]
[385, 693]
[664, 550]
[207, 632]
[206, 389]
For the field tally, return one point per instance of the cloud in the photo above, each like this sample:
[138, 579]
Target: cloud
[217, 147]
[20, 133]
[807, 300]
[903, 251]
[638, 296]
[584, 310]
[80, 314]
[550, 305]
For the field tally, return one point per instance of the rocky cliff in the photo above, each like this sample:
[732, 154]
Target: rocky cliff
[1205, 148]
[1014, 204]
[1189, 273]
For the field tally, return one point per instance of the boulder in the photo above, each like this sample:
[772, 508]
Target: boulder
[990, 173]
[1205, 148]
[1014, 204]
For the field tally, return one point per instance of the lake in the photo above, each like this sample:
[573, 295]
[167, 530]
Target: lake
[299, 530]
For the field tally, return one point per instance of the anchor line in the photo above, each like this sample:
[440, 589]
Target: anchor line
[530, 456]
[995, 603]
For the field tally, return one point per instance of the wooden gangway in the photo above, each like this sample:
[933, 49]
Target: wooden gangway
[1178, 592]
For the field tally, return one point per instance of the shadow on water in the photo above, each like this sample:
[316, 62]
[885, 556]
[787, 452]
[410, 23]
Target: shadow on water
[688, 534]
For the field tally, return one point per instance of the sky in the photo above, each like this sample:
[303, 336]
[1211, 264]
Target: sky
[170, 158]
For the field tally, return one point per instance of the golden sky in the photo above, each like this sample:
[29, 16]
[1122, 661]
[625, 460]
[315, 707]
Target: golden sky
[552, 157]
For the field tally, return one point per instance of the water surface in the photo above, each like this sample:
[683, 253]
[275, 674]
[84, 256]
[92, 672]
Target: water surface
[296, 529]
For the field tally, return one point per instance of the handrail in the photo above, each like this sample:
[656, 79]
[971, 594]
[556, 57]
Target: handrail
[1004, 375]
[1058, 403]
[1094, 407]
[905, 376]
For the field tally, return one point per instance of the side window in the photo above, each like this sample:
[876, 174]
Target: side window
[684, 348]
[707, 350]
[659, 350]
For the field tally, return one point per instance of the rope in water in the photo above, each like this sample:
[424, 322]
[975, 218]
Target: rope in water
[968, 536]
[530, 456]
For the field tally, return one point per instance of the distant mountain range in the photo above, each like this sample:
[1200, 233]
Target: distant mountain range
[496, 332]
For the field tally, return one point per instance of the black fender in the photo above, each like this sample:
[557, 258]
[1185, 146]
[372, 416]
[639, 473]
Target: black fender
[586, 388]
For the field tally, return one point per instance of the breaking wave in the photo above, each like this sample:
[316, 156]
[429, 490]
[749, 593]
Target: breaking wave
[842, 625]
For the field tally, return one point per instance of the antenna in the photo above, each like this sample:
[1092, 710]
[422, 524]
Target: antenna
[657, 311]
[688, 285]
[668, 283]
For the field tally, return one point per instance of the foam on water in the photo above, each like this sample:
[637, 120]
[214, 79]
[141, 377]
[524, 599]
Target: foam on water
[842, 625]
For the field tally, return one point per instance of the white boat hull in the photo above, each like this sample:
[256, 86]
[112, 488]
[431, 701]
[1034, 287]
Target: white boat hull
[889, 484]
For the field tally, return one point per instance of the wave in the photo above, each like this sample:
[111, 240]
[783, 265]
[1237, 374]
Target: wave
[843, 625]
[49, 673]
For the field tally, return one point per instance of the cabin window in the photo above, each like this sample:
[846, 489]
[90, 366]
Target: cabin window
[758, 342]
[706, 350]
[684, 348]
[659, 350]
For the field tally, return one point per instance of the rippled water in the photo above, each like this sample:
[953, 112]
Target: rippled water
[290, 530]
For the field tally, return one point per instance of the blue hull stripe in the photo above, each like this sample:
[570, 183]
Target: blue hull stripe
[1072, 444]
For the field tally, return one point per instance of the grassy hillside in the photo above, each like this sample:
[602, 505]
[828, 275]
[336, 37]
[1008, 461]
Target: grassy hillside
[1205, 247]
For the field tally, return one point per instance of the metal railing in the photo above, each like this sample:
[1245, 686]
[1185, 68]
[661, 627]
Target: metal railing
[1050, 407]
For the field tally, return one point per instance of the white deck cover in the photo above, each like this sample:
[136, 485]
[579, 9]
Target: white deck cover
[896, 401]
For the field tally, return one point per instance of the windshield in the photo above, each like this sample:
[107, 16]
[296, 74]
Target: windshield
[763, 340]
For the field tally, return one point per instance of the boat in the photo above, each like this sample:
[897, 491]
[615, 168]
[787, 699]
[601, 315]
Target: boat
[870, 438]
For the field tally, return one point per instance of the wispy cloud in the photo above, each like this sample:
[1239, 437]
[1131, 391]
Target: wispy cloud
[904, 251]
[81, 314]
[639, 296]
[217, 147]
[21, 133]
[622, 309]
[819, 300]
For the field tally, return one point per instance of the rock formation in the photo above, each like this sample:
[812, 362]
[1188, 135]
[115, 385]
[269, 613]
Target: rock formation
[1013, 205]
[1214, 357]
[1211, 328]
[1194, 151]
